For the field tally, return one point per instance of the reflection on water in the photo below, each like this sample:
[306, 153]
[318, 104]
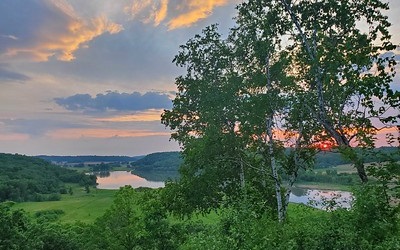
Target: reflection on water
[296, 191]
[117, 179]
[102, 174]
[323, 199]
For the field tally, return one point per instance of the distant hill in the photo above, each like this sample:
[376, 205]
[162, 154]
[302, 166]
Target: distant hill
[329, 159]
[158, 166]
[163, 161]
[24, 178]
[88, 158]
[170, 161]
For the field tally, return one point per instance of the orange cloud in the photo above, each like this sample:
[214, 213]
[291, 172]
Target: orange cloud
[63, 36]
[149, 11]
[14, 137]
[196, 10]
[146, 116]
[187, 13]
[78, 33]
[161, 14]
[75, 133]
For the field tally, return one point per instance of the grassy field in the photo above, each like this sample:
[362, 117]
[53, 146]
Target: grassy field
[345, 168]
[80, 206]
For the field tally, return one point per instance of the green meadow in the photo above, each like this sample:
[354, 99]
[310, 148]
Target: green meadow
[80, 206]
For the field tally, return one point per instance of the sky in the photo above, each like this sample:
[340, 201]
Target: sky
[92, 77]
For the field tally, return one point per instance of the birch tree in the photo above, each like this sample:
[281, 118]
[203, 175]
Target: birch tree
[341, 68]
[205, 118]
[306, 69]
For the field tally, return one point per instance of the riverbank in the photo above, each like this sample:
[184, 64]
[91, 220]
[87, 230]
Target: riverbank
[323, 186]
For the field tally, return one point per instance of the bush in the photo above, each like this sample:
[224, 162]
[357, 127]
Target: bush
[49, 215]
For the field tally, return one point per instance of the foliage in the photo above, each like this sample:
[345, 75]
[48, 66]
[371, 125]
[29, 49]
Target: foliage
[136, 220]
[304, 68]
[24, 178]
[328, 159]
[163, 161]
[329, 176]
[49, 215]
[370, 224]
[18, 231]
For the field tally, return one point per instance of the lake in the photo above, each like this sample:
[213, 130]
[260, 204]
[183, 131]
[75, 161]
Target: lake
[117, 179]
[323, 199]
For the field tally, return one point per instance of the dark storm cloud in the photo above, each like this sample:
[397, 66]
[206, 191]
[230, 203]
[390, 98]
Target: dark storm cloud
[115, 101]
[8, 75]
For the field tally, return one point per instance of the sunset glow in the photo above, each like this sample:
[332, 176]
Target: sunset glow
[93, 77]
[101, 133]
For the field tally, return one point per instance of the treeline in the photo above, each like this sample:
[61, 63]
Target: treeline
[330, 159]
[24, 178]
[160, 166]
[163, 161]
[330, 176]
[88, 158]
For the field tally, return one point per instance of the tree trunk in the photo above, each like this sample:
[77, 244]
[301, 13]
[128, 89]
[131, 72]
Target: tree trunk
[296, 167]
[269, 139]
[274, 169]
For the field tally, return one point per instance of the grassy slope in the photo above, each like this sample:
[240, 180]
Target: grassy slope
[344, 168]
[77, 207]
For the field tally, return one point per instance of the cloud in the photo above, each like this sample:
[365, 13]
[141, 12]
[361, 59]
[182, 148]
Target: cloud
[34, 127]
[195, 11]
[13, 137]
[47, 29]
[101, 133]
[141, 116]
[395, 54]
[148, 11]
[115, 101]
[183, 13]
[8, 75]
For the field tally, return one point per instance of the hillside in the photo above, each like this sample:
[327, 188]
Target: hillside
[24, 178]
[158, 166]
[163, 161]
[330, 159]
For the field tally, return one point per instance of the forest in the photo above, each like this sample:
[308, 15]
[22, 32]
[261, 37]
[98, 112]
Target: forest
[24, 178]
[253, 113]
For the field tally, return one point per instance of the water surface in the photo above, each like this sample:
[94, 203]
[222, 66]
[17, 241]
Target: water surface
[323, 199]
[117, 179]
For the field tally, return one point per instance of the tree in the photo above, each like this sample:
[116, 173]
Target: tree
[341, 69]
[136, 220]
[209, 111]
[303, 68]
